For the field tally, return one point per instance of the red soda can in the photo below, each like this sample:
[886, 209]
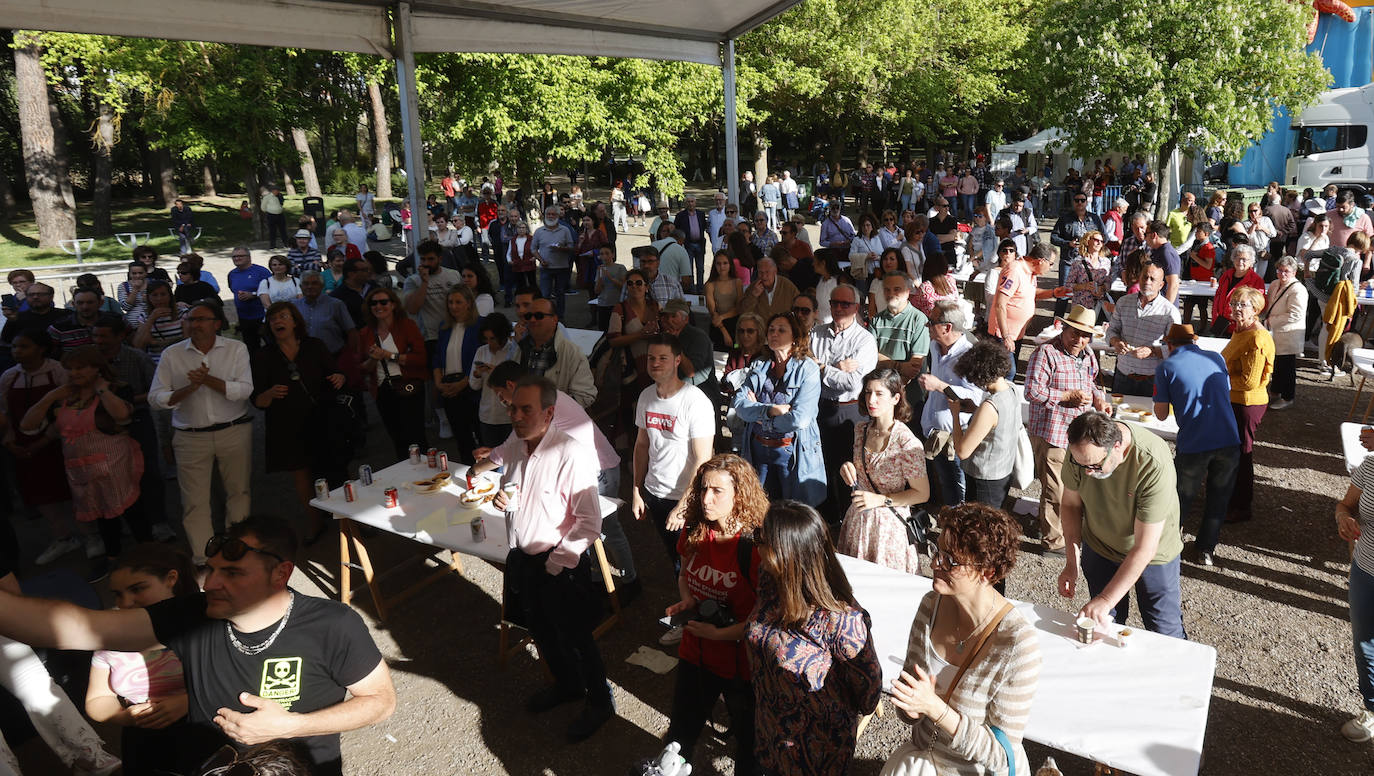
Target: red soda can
[443, 460]
[433, 457]
[390, 498]
[350, 491]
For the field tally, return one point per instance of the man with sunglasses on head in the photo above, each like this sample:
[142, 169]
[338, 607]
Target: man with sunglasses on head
[261, 661]
[846, 352]
[1068, 230]
[546, 351]
[1120, 506]
[205, 380]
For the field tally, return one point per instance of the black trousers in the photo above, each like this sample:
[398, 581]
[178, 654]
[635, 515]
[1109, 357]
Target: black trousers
[276, 226]
[461, 411]
[251, 331]
[152, 490]
[111, 532]
[693, 698]
[836, 424]
[560, 612]
[403, 416]
[1285, 380]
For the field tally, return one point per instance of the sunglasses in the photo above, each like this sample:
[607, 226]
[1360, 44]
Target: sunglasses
[536, 316]
[1079, 199]
[841, 303]
[802, 310]
[235, 549]
[634, 283]
[379, 302]
[1095, 467]
[746, 331]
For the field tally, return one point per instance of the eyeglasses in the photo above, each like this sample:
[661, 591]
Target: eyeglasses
[235, 549]
[742, 330]
[729, 212]
[201, 318]
[1094, 467]
[939, 558]
[933, 324]
[635, 283]
[379, 302]
[1080, 199]
[841, 303]
[536, 316]
[803, 310]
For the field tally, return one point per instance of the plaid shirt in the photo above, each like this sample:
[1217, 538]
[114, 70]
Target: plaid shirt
[536, 359]
[1049, 373]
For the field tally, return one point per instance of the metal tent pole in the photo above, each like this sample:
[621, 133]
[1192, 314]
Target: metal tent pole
[410, 128]
[731, 130]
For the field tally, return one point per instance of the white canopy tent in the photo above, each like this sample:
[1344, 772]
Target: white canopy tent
[700, 31]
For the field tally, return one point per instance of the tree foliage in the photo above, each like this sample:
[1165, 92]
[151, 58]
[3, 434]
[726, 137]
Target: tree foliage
[1155, 75]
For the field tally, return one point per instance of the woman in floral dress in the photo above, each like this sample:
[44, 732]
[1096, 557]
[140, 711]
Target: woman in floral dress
[888, 475]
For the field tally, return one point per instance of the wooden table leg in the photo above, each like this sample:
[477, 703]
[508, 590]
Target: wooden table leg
[345, 562]
[1351, 414]
[608, 580]
[365, 561]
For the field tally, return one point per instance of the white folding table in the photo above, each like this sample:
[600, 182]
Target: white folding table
[439, 521]
[1140, 709]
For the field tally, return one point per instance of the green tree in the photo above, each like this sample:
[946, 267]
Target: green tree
[1155, 75]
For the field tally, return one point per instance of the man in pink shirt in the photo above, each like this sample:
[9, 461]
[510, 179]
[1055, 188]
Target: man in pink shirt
[1346, 218]
[549, 580]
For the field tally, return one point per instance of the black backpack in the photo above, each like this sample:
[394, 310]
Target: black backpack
[1328, 273]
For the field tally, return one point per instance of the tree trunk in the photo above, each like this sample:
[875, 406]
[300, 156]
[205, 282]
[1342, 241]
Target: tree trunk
[288, 181]
[166, 175]
[1166, 180]
[760, 157]
[104, 141]
[60, 146]
[254, 197]
[383, 140]
[207, 175]
[312, 180]
[56, 218]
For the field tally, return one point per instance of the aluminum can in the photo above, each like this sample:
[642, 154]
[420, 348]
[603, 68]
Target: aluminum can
[390, 498]
[321, 488]
[443, 460]
[433, 457]
[365, 474]
[350, 491]
[479, 530]
[415, 455]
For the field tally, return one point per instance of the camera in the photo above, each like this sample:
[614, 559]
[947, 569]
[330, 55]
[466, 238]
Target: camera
[708, 611]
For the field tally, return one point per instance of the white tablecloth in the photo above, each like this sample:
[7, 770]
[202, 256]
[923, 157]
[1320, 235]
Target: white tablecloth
[584, 339]
[1141, 709]
[436, 519]
[1351, 447]
[1185, 288]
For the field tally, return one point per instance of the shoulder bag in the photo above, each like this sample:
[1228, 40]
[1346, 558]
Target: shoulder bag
[402, 386]
[918, 522]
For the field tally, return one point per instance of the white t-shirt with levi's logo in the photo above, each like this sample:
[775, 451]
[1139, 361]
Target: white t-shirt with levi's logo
[672, 424]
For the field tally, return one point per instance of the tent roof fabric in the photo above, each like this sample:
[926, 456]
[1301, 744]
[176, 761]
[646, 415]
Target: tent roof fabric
[647, 29]
[1036, 143]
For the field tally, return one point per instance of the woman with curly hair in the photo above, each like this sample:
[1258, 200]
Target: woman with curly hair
[888, 475]
[815, 671]
[720, 573]
[974, 724]
[987, 447]
[778, 401]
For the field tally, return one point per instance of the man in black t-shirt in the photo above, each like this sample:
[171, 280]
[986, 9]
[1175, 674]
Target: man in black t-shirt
[262, 662]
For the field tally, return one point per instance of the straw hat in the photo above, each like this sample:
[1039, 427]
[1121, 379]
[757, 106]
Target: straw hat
[1180, 334]
[1081, 318]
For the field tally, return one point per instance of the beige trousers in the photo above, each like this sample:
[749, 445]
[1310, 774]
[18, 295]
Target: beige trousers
[198, 453]
[1049, 460]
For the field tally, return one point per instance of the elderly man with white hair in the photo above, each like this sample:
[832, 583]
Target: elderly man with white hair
[846, 352]
[356, 234]
[948, 342]
[769, 293]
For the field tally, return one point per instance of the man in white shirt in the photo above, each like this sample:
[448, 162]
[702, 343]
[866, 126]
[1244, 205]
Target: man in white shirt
[570, 418]
[787, 186]
[714, 218]
[996, 200]
[548, 576]
[677, 427]
[205, 380]
[947, 343]
[846, 352]
[356, 234]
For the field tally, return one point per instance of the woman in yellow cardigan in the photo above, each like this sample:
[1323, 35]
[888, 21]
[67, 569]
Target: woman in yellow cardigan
[1250, 362]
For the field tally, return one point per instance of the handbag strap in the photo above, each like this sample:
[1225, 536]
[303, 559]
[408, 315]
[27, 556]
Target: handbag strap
[972, 656]
[386, 373]
[1264, 318]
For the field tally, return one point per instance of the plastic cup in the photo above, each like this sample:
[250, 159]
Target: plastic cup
[1086, 627]
[1123, 638]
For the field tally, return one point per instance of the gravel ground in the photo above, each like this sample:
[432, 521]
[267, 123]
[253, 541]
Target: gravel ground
[1275, 609]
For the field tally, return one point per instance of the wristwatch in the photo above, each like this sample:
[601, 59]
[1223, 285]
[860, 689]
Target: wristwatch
[887, 501]
[393, 356]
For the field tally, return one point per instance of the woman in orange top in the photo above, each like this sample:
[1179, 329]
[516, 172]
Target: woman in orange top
[1250, 362]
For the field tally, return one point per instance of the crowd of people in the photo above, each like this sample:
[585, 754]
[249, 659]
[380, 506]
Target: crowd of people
[872, 404]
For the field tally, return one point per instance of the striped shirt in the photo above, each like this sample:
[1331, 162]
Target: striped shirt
[1363, 478]
[165, 332]
[995, 691]
[1139, 327]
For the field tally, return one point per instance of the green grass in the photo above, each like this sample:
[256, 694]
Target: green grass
[217, 216]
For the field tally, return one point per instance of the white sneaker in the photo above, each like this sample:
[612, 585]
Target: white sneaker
[57, 549]
[444, 431]
[95, 546]
[673, 636]
[1359, 729]
[1280, 404]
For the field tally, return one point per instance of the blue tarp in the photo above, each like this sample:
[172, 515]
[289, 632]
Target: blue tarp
[1347, 50]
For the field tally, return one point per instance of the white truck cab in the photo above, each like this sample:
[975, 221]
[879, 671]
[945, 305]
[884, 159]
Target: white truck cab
[1331, 141]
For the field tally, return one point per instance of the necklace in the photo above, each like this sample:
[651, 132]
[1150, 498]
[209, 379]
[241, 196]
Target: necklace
[959, 645]
[250, 651]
